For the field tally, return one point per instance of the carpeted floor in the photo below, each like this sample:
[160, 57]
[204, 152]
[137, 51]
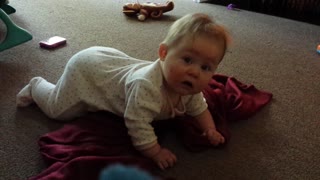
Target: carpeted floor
[275, 54]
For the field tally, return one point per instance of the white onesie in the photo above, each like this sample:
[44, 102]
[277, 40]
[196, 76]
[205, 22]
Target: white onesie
[101, 78]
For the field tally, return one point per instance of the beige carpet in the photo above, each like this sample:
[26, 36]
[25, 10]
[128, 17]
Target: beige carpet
[275, 54]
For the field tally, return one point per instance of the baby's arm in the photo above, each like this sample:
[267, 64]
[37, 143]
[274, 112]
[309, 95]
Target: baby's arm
[150, 149]
[207, 125]
[161, 156]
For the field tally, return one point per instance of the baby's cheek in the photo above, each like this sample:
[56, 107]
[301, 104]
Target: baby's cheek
[205, 82]
[174, 71]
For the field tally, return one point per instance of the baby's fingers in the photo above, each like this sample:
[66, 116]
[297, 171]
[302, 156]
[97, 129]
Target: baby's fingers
[163, 165]
[172, 160]
[216, 140]
[222, 140]
[168, 162]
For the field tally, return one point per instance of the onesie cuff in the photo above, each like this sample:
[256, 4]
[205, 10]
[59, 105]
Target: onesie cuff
[146, 146]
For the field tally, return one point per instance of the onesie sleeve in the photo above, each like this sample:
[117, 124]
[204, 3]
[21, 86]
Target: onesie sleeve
[196, 104]
[143, 104]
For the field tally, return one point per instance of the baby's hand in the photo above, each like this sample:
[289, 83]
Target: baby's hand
[214, 137]
[164, 158]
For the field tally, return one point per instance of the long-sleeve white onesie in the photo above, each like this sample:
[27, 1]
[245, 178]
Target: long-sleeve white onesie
[102, 78]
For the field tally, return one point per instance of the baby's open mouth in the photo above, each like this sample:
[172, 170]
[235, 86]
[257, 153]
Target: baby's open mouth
[187, 83]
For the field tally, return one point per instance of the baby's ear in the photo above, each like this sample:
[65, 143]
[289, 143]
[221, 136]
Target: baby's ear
[163, 49]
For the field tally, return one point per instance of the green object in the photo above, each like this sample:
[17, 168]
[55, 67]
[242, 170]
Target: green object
[8, 9]
[15, 34]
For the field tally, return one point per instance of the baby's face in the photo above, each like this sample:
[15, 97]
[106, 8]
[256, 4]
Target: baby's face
[189, 66]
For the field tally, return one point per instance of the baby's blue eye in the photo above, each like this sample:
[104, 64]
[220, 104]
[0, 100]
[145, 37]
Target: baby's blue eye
[206, 68]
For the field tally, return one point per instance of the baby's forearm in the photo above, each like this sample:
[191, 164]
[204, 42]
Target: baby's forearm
[207, 125]
[152, 151]
[205, 121]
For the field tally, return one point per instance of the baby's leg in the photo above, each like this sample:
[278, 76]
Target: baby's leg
[79, 89]
[24, 97]
[45, 95]
[38, 90]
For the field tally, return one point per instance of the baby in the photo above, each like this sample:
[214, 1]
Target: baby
[102, 78]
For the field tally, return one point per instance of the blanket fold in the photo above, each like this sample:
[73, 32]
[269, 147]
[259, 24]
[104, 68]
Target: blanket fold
[82, 148]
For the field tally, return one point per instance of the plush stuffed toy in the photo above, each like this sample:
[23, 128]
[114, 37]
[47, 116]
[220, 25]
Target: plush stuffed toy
[145, 10]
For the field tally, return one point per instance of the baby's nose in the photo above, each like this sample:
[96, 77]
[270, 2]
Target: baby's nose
[194, 71]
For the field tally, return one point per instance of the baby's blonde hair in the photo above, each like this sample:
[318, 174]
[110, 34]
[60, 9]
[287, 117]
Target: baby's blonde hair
[193, 25]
